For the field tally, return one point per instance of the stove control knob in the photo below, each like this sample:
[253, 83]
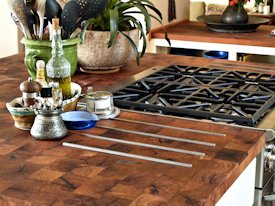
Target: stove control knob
[269, 198]
[270, 161]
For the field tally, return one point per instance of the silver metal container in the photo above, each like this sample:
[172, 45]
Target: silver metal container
[100, 102]
[48, 125]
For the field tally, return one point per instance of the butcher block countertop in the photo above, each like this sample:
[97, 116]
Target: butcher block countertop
[46, 173]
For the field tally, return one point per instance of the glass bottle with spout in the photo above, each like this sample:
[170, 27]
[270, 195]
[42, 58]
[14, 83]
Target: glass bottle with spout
[58, 68]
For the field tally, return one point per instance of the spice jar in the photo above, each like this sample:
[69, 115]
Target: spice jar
[30, 89]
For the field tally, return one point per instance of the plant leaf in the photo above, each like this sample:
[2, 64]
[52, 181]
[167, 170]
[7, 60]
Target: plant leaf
[133, 46]
[155, 10]
[113, 25]
[142, 34]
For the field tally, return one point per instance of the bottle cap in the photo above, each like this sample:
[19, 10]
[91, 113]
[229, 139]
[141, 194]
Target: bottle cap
[40, 64]
[55, 22]
[46, 92]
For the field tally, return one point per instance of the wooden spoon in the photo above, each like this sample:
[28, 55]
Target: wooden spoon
[19, 10]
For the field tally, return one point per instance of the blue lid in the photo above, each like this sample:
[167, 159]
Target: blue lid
[79, 120]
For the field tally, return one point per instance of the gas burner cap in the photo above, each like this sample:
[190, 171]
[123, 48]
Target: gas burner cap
[113, 114]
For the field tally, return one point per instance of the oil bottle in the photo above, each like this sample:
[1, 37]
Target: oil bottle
[58, 68]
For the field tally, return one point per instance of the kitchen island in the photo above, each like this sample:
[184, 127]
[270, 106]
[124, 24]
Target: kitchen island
[196, 35]
[46, 173]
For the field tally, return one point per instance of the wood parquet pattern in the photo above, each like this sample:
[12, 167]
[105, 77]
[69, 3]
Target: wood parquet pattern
[46, 173]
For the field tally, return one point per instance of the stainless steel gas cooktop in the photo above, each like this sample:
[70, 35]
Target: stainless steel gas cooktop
[206, 93]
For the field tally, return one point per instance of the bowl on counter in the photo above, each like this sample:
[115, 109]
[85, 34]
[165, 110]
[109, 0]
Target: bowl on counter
[23, 116]
[79, 120]
[70, 104]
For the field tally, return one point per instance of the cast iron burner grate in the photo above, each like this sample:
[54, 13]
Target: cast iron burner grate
[216, 94]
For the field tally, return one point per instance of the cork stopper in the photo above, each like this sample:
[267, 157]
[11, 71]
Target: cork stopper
[55, 22]
[40, 64]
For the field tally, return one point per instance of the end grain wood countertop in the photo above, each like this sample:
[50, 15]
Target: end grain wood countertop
[45, 173]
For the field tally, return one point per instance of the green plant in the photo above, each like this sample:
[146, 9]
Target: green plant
[118, 17]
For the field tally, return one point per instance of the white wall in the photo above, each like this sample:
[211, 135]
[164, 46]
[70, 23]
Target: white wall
[182, 10]
[8, 32]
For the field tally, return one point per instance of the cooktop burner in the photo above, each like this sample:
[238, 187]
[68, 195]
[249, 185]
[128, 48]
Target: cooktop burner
[216, 94]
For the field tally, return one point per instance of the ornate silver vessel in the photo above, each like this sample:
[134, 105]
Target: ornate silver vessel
[48, 125]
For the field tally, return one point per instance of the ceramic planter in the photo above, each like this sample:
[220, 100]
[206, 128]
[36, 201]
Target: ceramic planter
[94, 56]
[36, 50]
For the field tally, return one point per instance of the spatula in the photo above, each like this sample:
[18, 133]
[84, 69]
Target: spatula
[70, 17]
[91, 8]
[76, 11]
[53, 9]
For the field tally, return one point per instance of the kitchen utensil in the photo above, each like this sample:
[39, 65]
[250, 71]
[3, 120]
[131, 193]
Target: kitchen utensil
[170, 127]
[159, 136]
[53, 9]
[19, 9]
[76, 11]
[170, 149]
[30, 90]
[70, 17]
[16, 21]
[38, 6]
[124, 154]
[48, 125]
[90, 8]
[78, 120]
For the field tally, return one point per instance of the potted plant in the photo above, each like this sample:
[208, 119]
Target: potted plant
[34, 18]
[111, 39]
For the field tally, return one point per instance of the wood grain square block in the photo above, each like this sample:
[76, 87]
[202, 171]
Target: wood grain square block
[89, 171]
[5, 148]
[124, 191]
[46, 175]
[97, 186]
[44, 160]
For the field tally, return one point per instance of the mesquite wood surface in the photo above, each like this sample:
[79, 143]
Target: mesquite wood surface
[45, 173]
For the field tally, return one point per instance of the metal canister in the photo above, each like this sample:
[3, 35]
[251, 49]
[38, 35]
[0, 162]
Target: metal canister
[100, 102]
[48, 125]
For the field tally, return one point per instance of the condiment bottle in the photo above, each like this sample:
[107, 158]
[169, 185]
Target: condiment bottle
[40, 73]
[30, 89]
[58, 68]
[56, 92]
